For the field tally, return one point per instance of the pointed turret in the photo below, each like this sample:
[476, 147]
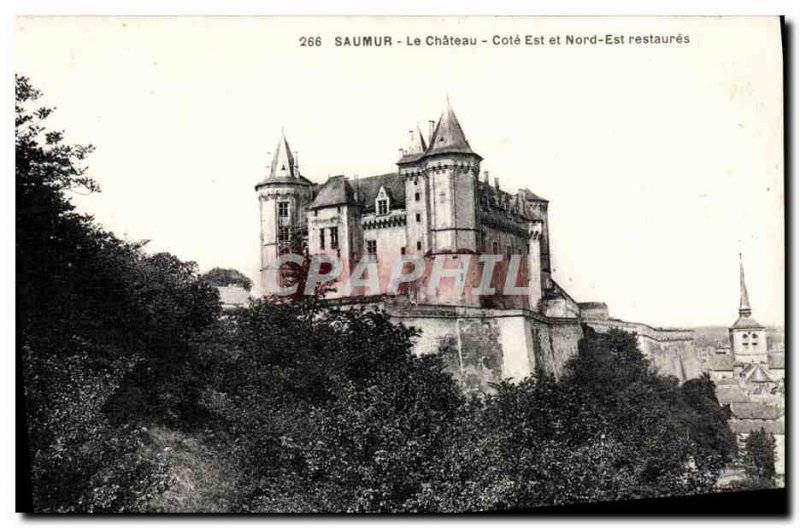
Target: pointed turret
[283, 164]
[416, 148]
[448, 136]
[418, 145]
[744, 300]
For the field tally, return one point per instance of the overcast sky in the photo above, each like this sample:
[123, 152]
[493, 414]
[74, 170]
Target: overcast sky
[661, 163]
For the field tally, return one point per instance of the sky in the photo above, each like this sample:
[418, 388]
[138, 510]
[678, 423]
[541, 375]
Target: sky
[661, 162]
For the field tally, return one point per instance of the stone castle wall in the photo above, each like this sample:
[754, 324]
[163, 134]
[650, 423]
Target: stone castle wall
[484, 346]
[481, 346]
[672, 351]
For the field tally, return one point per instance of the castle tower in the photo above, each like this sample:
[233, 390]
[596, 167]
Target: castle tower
[535, 231]
[417, 190]
[283, 196]
[451, 169]
[748, 338]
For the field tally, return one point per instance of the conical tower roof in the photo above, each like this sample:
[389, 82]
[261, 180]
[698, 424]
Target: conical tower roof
[283, 161]
[448, 136]
[418, 145]
[416, 148]
[283, 168]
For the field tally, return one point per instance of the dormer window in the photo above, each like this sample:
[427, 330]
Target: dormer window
[382, 202]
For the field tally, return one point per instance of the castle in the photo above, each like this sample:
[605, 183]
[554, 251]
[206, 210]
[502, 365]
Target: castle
[438, 207]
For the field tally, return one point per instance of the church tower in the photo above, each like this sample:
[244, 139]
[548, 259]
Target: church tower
[748, 338]
[283, 196]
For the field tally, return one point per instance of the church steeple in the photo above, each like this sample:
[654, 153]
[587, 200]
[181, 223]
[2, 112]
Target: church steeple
[744, 300]
[283, 163]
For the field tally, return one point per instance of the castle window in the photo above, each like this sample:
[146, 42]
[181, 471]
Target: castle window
[495, 248]
[508, 251]
[403, 250]
[283, 209]
[334, 238]
[419, 217]
[372, 247]
[416, 197]
[283, 234]
[316, 212]
[322, 238]
[383, 207]
[419, 245]
[382, 202]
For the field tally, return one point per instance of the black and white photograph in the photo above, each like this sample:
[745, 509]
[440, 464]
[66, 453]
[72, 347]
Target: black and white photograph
[400, 264]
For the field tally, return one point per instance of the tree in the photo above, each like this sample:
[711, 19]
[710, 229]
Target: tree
[226, 277]
[759, 460]
[324, 407]
[104, 334]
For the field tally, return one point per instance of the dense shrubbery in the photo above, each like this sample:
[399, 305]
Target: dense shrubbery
[227, 277]
[140, 398]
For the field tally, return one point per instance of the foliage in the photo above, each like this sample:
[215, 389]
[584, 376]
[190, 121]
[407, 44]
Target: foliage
[225, 277]
[758, 460]
[140, 397]
[102, 329]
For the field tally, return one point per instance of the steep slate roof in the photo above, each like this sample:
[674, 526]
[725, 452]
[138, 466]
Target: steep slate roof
[745, 321]
[416, 149]
[529, 195]
[368, 189]
[283, 168]
[335, 191]
[448, 136]
[758, 375]
[722, 362]
[726, 394]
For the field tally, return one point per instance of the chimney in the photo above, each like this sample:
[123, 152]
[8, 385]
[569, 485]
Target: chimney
[297, 160]
[486, 177]
[402, 152]
[410, 138]
[497, 183]
[431, 124]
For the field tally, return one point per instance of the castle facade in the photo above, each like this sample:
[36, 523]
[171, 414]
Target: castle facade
[497, 311]
[434, 204]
